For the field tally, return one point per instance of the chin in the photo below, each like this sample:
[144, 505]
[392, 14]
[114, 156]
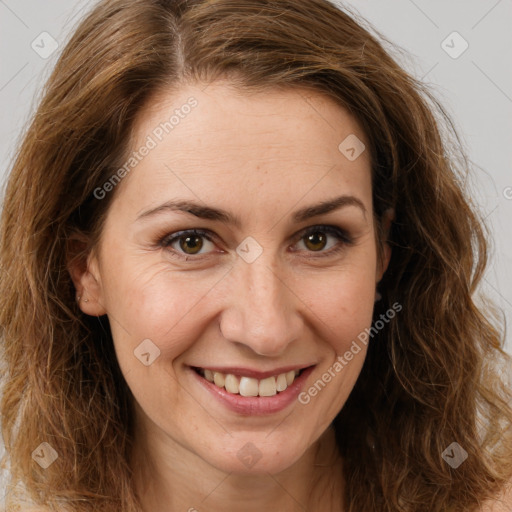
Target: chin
[256, 454]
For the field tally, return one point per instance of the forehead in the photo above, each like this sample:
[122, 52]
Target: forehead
[216, 143]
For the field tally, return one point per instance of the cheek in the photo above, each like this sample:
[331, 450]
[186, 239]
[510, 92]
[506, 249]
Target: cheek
[149, 300]
[343, 307]
[156, 316]
[161, 305]
[343, 303]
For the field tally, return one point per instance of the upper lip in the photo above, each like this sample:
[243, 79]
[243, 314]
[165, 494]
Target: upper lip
[250, 372]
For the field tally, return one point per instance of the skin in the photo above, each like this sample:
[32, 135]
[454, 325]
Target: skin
[261, 157]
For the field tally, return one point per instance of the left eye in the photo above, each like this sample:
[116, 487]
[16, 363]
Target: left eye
[317, 236]
[191, 242]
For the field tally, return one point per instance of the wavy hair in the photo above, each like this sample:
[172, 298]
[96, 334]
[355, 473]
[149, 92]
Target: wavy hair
[430, 377]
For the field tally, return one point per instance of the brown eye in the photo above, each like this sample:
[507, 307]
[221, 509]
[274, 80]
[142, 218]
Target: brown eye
[188, 243]
[325, 240]
[191, 244]
[315, 241]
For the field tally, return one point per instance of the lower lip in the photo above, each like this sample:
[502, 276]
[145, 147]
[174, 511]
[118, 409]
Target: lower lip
[256, 405]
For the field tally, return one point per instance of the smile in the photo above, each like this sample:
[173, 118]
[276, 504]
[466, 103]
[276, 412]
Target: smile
[250, 386]
[252, 393]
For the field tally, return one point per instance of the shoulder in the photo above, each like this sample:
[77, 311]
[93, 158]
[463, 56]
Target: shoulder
[502, 503]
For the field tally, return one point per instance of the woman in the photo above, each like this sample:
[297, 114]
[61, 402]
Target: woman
[239, 273]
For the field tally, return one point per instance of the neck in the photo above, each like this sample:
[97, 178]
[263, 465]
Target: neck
[169, 477]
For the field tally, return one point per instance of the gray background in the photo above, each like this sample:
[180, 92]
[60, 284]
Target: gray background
[475, 87]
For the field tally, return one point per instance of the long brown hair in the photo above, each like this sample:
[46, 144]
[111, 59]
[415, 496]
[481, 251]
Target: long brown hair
[430, 375]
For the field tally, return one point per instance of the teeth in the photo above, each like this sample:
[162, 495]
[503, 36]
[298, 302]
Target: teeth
[268, 386]
[247, 386]
[231, 384]
[281, 383]
[219, 379]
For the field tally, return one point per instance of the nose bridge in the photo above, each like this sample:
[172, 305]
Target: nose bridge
[261, 314]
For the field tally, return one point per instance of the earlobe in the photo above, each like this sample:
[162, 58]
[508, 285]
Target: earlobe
[84, 271]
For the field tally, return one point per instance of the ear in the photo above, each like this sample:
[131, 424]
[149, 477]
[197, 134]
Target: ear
[83, 267]
[387, 218]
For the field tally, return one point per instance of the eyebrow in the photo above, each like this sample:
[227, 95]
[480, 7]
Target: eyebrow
[218, 214]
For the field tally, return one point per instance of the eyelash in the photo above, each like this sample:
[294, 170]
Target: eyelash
[339, 233]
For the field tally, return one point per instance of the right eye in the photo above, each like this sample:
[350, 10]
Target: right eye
[189, 242]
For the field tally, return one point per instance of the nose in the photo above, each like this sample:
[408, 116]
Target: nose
[263, 312]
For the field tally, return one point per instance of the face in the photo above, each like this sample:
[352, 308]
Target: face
[273, 286]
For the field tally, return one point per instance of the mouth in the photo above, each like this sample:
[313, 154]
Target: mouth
[250, 392]
[250, 386]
